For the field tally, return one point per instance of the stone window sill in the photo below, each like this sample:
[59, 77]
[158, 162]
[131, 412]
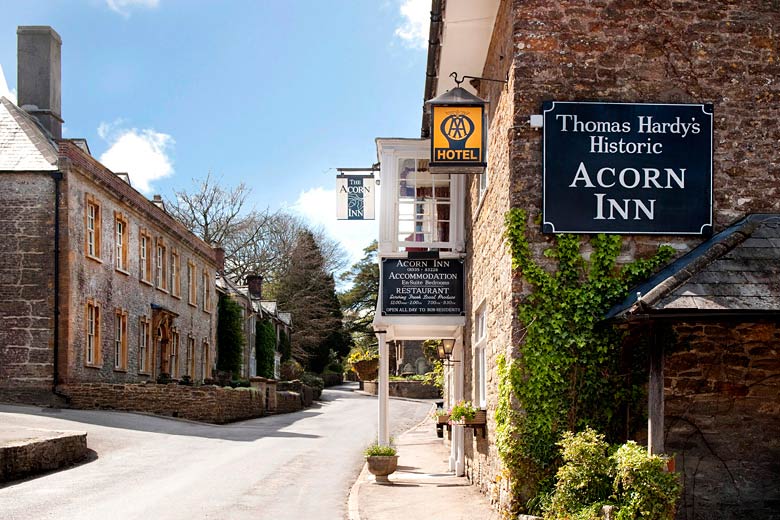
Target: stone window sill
[120, 270]
[93, 365]
[146, 282]
[93, 258]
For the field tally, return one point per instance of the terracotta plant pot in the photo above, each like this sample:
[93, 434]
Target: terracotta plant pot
[367, 370]
[381, 466]
[442, 419]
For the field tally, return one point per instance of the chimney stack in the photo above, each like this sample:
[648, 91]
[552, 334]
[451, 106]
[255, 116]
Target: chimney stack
[39, 77]
[255, 284]
[219, 256]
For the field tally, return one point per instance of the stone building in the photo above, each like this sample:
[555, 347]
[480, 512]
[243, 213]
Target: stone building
[715, 383]
[99, 284]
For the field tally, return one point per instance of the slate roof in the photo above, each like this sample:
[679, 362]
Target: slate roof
[735, 272]
[24, 146]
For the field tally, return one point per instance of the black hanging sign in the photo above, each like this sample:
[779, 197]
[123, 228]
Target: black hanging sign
[422, 287]
[628, 168]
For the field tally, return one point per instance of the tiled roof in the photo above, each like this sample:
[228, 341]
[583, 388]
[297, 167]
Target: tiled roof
[24, 147]
[736, 271]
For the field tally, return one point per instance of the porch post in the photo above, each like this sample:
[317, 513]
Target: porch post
[384, 390]
[655, 397]
[457, 455]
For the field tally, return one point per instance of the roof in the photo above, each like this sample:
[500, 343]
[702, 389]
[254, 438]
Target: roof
[24, 146]
[737, 271]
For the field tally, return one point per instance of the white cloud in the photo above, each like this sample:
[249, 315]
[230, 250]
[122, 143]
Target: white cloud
[318, 207]
[123, 6]
[4, 90]
[144, 153]
[416, 26]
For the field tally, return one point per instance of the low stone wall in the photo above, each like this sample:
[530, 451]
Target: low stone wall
[408, 389]
[38, 451]
[267, 388]
[305, 392]
[288, 401]
[332, 379]
[212, 404]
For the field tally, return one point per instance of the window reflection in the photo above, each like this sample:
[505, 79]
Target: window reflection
[423, 206]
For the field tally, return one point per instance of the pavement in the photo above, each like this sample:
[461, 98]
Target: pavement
[421, 488]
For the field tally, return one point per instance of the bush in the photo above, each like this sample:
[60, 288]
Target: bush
[378, 450]
[291, 370]
[635, 482]
[315, 382]
[643, 487]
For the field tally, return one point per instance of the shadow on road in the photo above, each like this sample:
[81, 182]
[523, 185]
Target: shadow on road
[242, 431]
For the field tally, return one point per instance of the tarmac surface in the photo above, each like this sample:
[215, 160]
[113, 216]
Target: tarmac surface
[421, 488]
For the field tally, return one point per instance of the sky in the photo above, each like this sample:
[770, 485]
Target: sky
[273, 93]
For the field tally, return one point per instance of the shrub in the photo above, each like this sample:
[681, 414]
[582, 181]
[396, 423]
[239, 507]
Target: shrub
[378, 450]
[635, 482]
[643, 487]
[291, 370]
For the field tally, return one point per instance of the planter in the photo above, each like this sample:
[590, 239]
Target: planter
[367, 369]
[381, 466]
[479, 422]
[442, 419]
[480, 419]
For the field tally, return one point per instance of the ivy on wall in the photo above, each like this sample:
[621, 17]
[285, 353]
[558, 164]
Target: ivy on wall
[265, 347]
[568, 374]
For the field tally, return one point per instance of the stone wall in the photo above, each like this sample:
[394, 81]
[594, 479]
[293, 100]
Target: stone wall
[208, 403]
[288, 401]
[722, 418]
[26, 284]
[408, 389]
[37, 451]
[702, 51]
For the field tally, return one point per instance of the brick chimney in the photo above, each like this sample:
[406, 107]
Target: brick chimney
[255, 284]
[219, 255]
[39, 78]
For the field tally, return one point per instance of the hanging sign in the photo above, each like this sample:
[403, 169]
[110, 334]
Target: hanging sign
[628, 168]
[457, 136]
[428, 286]
[355, 197]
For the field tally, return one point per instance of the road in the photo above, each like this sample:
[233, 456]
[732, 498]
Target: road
[292, 466]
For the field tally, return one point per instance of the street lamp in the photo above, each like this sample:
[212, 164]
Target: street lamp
[444, 351]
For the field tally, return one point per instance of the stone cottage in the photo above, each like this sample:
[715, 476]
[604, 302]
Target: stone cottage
[714, 378]
[99, 284]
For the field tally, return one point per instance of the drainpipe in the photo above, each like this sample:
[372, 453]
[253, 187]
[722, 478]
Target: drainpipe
[431, 69]
[57, 177]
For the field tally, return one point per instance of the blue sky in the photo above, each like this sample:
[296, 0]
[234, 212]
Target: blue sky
[275, 93]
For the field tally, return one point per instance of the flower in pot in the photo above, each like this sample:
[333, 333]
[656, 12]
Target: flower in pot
[464, 412]
[442, 416]
[382, 461]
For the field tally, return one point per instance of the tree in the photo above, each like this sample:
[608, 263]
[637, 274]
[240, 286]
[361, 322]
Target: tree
[230, 336]
[307, 290]
[359, 301]
[255, 242]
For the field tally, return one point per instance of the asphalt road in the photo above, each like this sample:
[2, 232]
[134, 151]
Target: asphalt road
[292, 466]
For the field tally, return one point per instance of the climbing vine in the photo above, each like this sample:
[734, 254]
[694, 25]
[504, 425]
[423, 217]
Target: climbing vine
[568, 374]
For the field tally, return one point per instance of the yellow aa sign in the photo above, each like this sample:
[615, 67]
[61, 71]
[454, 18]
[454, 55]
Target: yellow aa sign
[457, 135]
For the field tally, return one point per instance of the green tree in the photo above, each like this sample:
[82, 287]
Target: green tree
[359, 301]
[265, 348]
[230, 336]
[307, 290]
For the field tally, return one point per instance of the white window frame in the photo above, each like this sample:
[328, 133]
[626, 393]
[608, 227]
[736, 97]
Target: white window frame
[480, 357]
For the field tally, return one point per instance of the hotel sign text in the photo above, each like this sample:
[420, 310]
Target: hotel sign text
[629, 168]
